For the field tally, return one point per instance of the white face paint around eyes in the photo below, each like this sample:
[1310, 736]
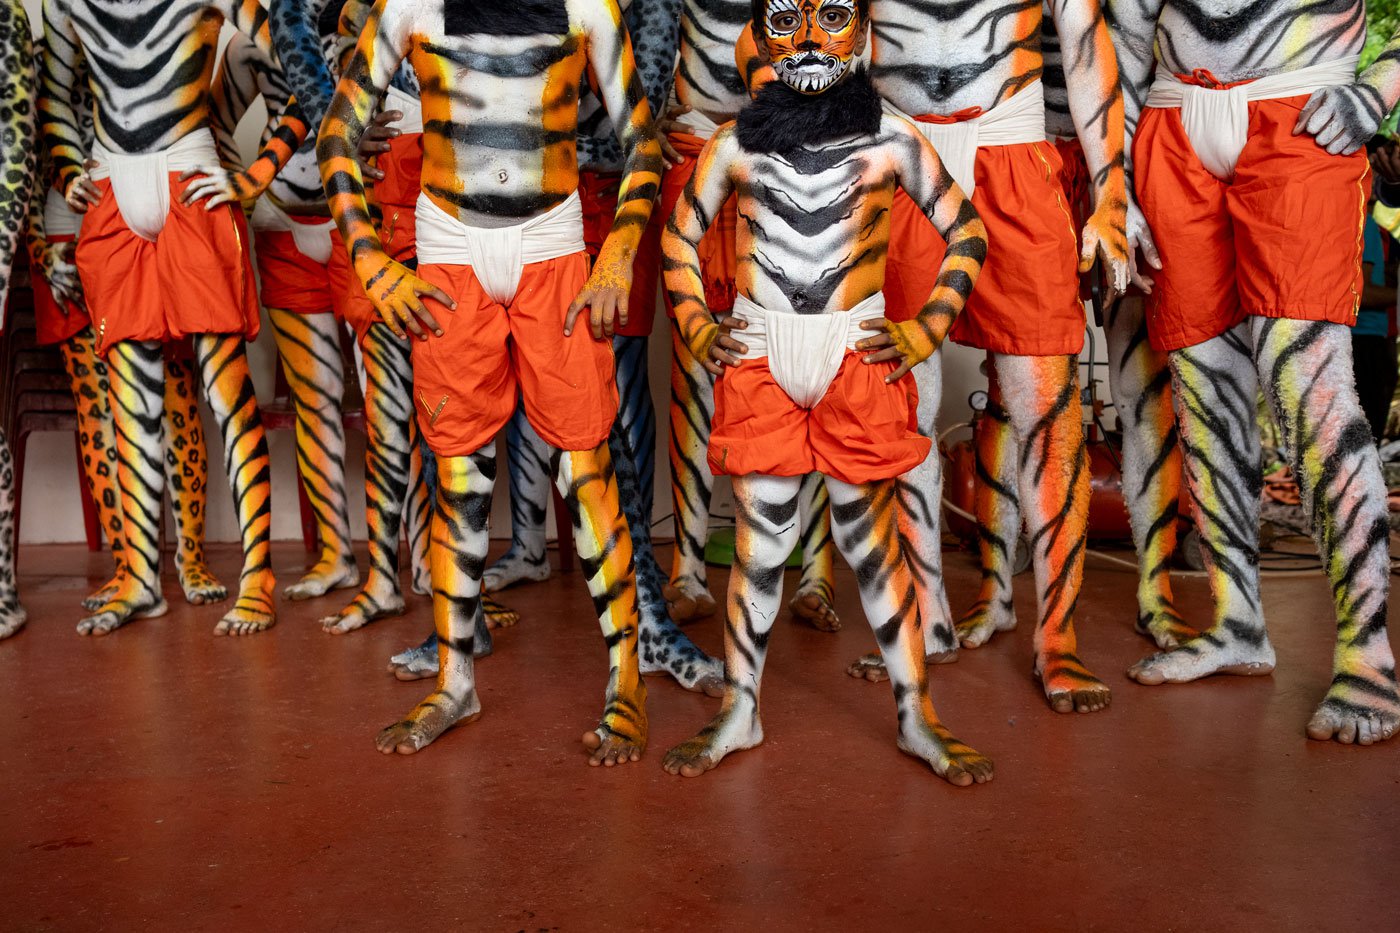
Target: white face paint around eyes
[783, 17]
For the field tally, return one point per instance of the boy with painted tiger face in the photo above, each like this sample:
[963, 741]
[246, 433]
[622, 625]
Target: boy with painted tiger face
[501, 258]
[1246, 135]
[813, 376]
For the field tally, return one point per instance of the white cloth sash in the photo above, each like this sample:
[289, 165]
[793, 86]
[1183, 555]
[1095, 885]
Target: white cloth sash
[1217, 119]
[59, 218]
[314, 241]
[1018, 119]
[411, 108]
[498, 255]
[140, 183]
[804, 350]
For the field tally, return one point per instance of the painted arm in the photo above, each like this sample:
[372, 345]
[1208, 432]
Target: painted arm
[234, 89]
[1343, 118]
[928, 183]
[610, 57]
[60, 64]
[395, 291]
[18, 92]
[658, 23]
[1096, 104]
[294, 31]
[1133, 28]
[704, 196]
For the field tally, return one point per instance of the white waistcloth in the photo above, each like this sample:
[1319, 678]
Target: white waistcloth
[498, 255]
[314, 241]
[59, 218]
[411, 108]
[1018, 119]
[1217, 119]
[139, 182]
[804, 350]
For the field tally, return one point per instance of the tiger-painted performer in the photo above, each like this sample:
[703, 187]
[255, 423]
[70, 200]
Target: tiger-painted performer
[709, 90]
[503, 267]
[163, 256]
[970, 76]
[295, 238]
[803, 384]
[654, 26]
[1248, 168]
[1140, 384]
[18, 97]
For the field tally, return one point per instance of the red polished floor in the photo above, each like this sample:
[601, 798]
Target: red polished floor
[161, 778]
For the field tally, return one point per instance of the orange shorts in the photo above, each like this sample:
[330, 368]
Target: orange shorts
[465, 382]
[718, 263]
[52, 323]
[1282, 239]
[288, 279]
[196, 278]
[1026, 301]
[862, 430]
[598, 192]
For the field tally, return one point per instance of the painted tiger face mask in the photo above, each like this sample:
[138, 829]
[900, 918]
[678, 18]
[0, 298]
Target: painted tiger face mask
[811, 43]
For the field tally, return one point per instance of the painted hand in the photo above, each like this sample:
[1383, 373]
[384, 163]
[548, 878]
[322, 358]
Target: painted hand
[604, 295]
[1105, 236]
[375, 141]
[1341, 119]
[82, 193]
[721, 346]
[1140, 240]
[671, 124]
[398, 296]
[909, 342]
[59, 268]
[216, 185]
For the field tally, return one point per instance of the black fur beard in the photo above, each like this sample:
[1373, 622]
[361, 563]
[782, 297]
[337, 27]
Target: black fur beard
[505, 17]
[780, 119]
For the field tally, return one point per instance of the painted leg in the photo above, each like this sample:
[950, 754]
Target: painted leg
[187, 477]
[637, 416]
[12, 614]
[223, 367]
[87, 375]
[1215, 386]
[1306, 369]
[997, 505]
[664, 648]
[1140, 381]
[1042, 398]
[388, 423]
[459, 545]
[136, 372]
[765, 532]
[585, 479]
[867, 523]
[692, 409]
[527, 464]
[920, 516]
[815, 600]
[309, 345]
[418, 511]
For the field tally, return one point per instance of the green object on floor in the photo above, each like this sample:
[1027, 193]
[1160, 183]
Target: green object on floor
[719, 550]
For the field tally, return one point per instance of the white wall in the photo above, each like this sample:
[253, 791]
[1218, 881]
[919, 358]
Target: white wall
[52, 510]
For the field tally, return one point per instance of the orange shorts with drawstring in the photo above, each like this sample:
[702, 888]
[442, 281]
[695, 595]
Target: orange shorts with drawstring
[288, 279]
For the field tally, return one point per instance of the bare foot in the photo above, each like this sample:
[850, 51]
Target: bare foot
[253, 611]
[200, 585]
[379, 599]
[322, 578]
[513, 569]
[429, 719]
[607, 749]
[662, 648]
[1068, 685]
[421, 661]
[12, 618]
[950, 759]
[1244, 651]
[621, 736]
[133, 601]
[985, 619]
[687, 601]
[1361, 706]
[104, 595]
[871, 666]
[1159, 620]
[813, 609]
[497, 615]
[731, 731]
